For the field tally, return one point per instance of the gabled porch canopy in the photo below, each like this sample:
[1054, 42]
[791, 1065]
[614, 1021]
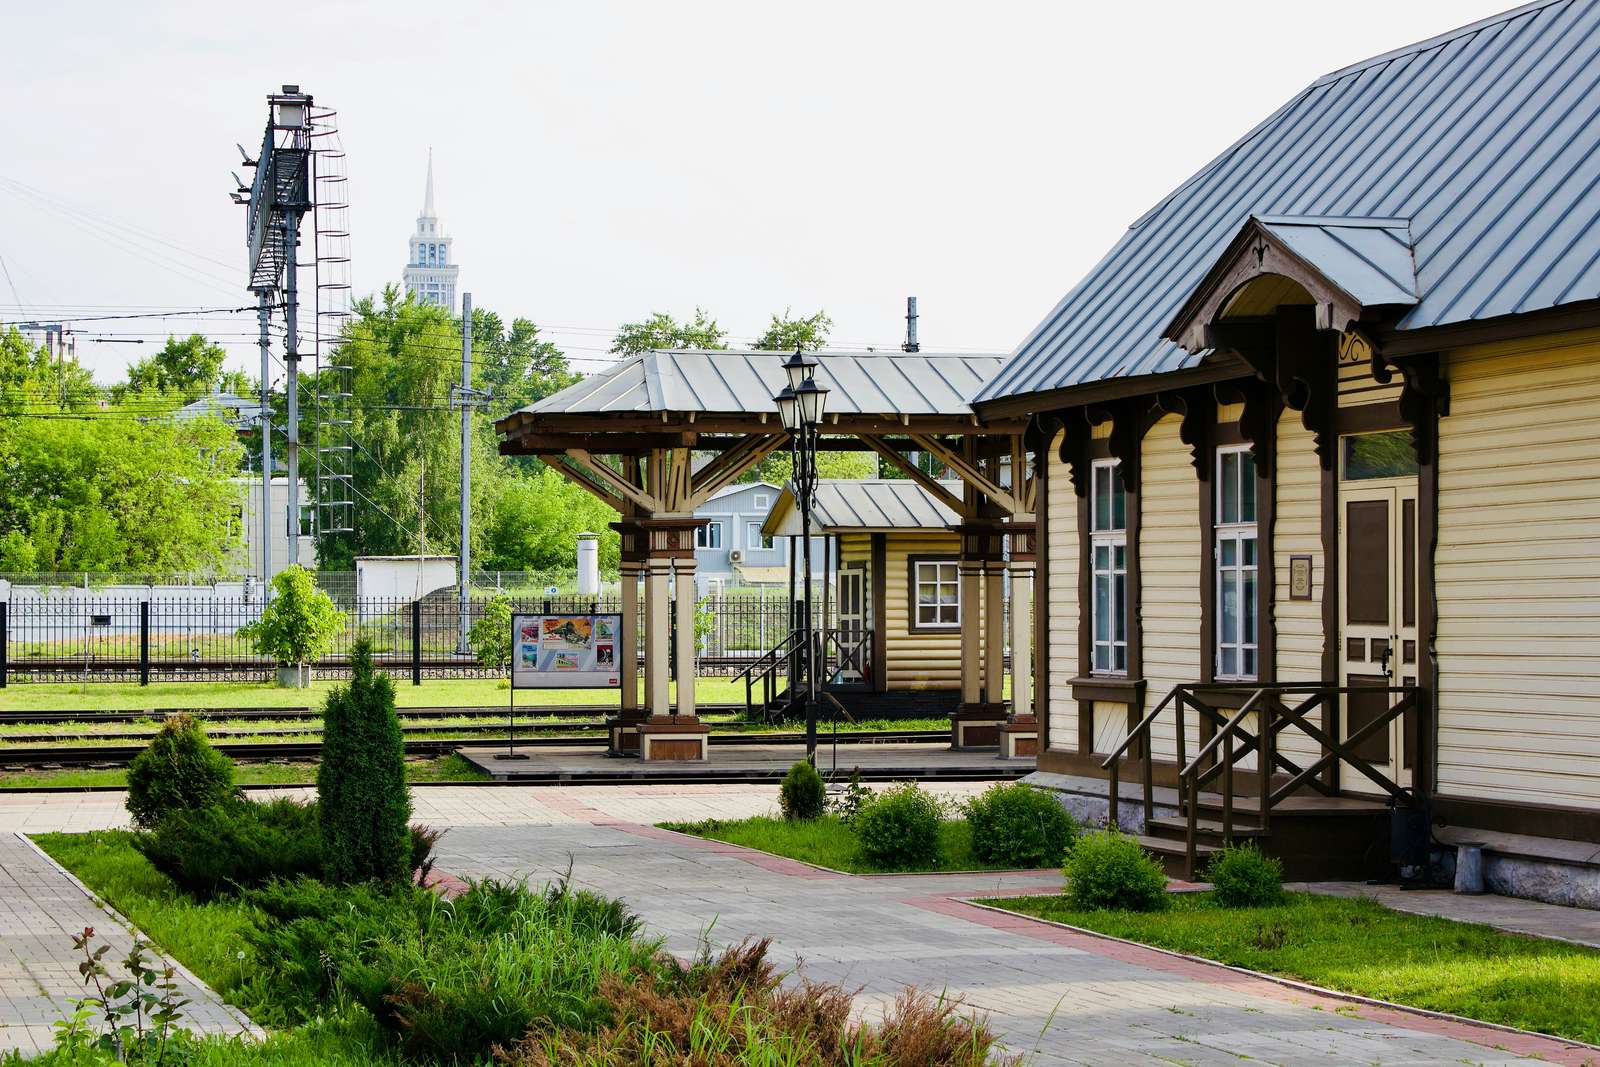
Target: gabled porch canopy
[1355, 271]
[654, 410]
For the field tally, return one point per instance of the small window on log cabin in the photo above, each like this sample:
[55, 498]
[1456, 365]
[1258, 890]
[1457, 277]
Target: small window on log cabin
[1236, 564]
[1108, 558]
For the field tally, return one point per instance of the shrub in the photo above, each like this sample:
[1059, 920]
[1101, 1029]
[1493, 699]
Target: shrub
[234, 844]
[300, 624]
[1245, 878]
[1109, 870]
[423, 838]
[802, 794]
[364, 804]
[490, 636]
[1019, 826]
[177, 771]
[855, 796]
[899, 828]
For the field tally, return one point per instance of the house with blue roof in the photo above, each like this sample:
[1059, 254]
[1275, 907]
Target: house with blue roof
[1319, 441]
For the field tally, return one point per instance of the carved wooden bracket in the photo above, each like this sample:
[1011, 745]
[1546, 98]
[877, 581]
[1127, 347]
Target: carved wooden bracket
[1423, 395]
[1131, 419]
[1075, 447]
[1198, 408]
[1307, 377]
[1259, 423]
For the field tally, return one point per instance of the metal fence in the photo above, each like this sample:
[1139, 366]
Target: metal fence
[73, 636]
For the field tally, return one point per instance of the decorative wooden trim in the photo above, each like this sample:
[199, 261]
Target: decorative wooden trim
[878, 584]
[1259, 423]
[1267, 565]
[1518, 817]
[1369, 418]
[1041, 594]
[1216, 435]
[1307, 376]
[1075, 444]
[1111, 690]
[1331, 582]
[1423, 397]
[1425, 765]
[912, 559]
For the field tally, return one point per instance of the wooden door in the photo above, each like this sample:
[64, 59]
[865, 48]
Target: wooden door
[1378, 604]
[854, 662]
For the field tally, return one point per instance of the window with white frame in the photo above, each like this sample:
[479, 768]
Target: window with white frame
[753, 537]
[938, 593]
[709, 535]
[1108, 560]
[1236, 564]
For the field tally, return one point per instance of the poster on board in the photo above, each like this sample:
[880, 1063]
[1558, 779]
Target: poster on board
[568, 651]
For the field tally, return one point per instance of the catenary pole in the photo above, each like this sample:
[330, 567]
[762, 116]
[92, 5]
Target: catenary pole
[466, 465]
[263, 319]
[291, 361]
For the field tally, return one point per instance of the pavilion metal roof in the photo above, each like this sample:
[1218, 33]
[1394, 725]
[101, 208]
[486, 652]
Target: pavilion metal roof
[867, 504]
[730, 382]
[1484, 138]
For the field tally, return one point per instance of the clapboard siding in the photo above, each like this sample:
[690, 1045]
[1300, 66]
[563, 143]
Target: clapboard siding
[1297, 531]
[1061, 621]
[917, 660]
[1170, 546]
[1517, 573]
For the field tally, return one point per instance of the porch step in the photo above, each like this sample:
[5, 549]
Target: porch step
[1206, 830]
[1174, 855]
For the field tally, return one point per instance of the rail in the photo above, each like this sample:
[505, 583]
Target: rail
[1278, 776]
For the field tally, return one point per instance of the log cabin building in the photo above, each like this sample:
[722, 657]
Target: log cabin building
[1319, 442]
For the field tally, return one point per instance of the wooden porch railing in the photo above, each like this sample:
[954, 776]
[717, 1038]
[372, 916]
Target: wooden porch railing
[1233, 741]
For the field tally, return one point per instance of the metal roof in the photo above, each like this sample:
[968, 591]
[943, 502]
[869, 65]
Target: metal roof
[1485, 138]
[865, 504]
[1368, 258]
[729, 382]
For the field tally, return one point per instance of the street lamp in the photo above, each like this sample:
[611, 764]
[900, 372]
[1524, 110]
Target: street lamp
[800, 407]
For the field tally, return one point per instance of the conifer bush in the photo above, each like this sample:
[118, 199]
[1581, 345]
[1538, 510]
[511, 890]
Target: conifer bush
[802, 795]
[177, 771]
[363, 802]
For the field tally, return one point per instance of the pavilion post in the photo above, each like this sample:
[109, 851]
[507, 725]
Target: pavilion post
[976, 722]
[665, 735]
[1019, 737]
[686, 605]
[623, 729]
[656, 637]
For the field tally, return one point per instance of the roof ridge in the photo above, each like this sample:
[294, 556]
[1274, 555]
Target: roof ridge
[1436, 41]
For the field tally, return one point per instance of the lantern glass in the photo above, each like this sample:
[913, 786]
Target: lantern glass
[813, 398]
[798, 368]
[788, 409]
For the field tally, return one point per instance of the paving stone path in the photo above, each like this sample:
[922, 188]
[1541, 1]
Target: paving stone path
[1058, 996]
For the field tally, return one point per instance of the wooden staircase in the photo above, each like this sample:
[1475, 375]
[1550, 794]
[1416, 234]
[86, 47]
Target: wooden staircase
[1318, 830]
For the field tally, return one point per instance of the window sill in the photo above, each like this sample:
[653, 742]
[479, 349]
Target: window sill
[1111, 688]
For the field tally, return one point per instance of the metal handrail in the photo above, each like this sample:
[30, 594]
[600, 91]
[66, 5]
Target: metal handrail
[772, 653]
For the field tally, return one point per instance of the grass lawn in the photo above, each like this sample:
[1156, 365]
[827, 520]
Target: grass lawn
[1361, 947]
[433, 692]
[828, 842]
[451, 768]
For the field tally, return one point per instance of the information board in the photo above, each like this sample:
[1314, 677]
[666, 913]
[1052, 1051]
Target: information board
[565, 651]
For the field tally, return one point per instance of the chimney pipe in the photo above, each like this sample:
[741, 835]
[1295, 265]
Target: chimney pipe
[911, 326]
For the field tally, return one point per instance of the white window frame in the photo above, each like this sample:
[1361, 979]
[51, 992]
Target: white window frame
[702, 535]
[754, 541]
[1241, 535]
[1107, 655]
[939, 581]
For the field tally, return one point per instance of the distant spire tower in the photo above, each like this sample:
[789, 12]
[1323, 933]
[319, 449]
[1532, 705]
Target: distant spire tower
[430, 273]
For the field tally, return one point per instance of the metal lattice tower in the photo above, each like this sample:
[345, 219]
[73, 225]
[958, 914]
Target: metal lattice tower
[335, 484]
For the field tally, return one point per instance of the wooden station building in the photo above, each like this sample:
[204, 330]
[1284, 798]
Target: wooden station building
[1320, 446]
[659, 433]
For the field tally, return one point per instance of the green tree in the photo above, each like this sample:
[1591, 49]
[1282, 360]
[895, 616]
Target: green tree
[107, 489]
[491, 634]
[191, 367]
[300, 624]
[515, 366]
[362, 801]
[786, 333]
[778, 467]
[535, 524]
[177, 771]
[661, 330]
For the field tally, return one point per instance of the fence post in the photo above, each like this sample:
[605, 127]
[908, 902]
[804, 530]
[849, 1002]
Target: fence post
[5, 635]
[144, 642]
[416, 642]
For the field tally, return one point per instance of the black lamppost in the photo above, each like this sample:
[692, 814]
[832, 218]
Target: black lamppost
[800, 406]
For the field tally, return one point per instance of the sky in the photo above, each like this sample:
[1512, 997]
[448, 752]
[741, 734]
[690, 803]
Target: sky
[595, 162]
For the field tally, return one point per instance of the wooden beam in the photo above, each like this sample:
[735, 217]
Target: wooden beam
[968, 471]
[920, 476]
[602, 423]
[581, 478]
[604, 475]
[730, 465]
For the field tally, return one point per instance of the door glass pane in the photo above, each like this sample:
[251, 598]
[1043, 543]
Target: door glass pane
[1230, 487]
[1119, 504]
[1247, 607]
[1230, 551]
[1118, 609]
[1247, 490]
[1230, 605]
[1379, 455]
[1230, 661]
[1102, 608]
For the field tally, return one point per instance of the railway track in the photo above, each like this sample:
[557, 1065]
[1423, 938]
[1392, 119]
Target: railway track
[306, 713]
[120, 755]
